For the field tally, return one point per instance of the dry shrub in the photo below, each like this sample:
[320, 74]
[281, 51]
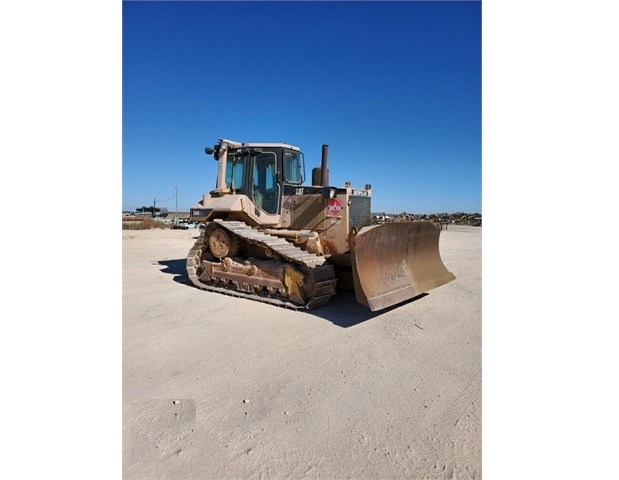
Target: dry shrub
[137, 223]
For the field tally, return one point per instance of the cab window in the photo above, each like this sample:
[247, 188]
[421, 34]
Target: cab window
[234, 171]
[293, 167]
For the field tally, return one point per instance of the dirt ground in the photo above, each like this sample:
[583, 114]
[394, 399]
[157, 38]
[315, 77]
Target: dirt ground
[216, 387]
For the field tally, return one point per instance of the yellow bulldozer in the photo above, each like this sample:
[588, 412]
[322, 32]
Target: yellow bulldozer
[269, 237]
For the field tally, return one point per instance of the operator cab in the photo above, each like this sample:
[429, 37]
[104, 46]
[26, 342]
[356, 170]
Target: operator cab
[260, 172]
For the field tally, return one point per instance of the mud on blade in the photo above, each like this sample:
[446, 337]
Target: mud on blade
[394, 262]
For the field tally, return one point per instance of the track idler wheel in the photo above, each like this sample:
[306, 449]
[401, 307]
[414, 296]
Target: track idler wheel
[220, 243]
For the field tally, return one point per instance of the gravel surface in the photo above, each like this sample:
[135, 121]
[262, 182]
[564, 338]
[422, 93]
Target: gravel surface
[216, 387]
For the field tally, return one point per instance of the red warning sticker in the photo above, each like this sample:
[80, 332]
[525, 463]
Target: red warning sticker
[334, 208]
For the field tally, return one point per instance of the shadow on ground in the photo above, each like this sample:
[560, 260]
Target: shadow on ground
[177, 268]
[342, 309]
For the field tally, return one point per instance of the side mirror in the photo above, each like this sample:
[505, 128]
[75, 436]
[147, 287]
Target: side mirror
[213, 151]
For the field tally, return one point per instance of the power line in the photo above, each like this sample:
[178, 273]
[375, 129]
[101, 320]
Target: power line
[166, 200]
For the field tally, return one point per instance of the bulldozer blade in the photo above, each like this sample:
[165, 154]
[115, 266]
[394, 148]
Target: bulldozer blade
[394, 262]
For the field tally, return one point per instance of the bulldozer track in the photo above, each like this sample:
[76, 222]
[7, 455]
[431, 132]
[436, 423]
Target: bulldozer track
[283, 251]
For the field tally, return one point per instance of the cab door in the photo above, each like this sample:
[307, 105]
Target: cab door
[266, 192]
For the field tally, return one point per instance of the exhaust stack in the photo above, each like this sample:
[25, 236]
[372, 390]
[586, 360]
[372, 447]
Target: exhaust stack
[324, 172]
[320, 175]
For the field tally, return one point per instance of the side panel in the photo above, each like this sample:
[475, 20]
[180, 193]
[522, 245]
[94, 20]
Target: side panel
[312, 211]
[306, 212]
[332, 212]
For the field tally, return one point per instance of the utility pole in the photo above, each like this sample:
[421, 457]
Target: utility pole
[176, 204]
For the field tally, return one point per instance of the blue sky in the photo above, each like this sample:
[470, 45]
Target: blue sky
[394, 89]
